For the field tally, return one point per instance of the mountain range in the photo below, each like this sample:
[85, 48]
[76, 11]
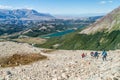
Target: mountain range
[23, 14]
[33, 23]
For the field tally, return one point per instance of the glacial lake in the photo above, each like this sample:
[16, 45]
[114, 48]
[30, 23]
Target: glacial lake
[57, 34]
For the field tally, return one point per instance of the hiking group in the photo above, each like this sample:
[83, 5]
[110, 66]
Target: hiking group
[96, 55]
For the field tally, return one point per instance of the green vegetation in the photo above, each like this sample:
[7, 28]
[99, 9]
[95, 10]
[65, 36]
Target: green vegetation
[48, 27]
[76, 41]
[6, 29]
[36, 32]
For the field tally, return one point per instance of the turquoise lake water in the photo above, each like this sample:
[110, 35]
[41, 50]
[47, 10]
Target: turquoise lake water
[57, 34]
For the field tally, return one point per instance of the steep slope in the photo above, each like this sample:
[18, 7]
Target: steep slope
[76, 41]
[103, 34]
[108, 23]
[60, 65]
[23, 14]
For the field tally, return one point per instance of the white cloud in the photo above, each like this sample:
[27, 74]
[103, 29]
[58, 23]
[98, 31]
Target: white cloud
[110, 1]
[106, 1]
[103, 2]
[5, 7]
[24, 7]
[28, 7]
[10, 7]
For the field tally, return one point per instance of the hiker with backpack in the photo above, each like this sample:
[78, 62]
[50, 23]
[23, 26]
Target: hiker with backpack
[92, 54]
[96, 55]
[104, 55]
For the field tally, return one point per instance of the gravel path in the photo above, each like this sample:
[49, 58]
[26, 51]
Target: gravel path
[63, 65]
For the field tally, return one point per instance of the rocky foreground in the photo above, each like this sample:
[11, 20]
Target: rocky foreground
[60, 65]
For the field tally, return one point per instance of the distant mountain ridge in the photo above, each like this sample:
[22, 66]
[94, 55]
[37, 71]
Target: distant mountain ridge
[23, 14]
[108, 23]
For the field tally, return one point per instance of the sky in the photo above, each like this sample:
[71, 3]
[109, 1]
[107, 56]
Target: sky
[63, 7]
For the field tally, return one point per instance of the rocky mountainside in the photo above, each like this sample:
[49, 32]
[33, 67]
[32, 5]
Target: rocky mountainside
[108, 23]
[60, 65]
[23, 14]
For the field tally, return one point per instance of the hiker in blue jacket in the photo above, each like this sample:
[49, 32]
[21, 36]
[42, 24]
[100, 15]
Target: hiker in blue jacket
[104, 54]
[96, 55]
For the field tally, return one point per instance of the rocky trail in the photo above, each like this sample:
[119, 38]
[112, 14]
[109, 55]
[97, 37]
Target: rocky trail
[61, 65]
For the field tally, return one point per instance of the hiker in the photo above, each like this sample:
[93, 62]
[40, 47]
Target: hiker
[96, 55]
[83, 55]
[92, 54]
[104, 54]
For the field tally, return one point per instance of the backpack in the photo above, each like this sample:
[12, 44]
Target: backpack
[104, 53]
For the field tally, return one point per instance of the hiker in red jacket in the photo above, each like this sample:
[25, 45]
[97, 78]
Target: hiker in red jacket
[83, 55]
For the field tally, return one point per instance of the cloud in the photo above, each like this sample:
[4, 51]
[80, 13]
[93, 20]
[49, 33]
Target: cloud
[28, 7]
[103, 2]
[10, 7]
[106, 1]
[5, 7]
[110, 1]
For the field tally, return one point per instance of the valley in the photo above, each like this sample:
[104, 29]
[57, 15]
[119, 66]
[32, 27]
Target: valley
[103, 34]
[43, 46]
[34, 28]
